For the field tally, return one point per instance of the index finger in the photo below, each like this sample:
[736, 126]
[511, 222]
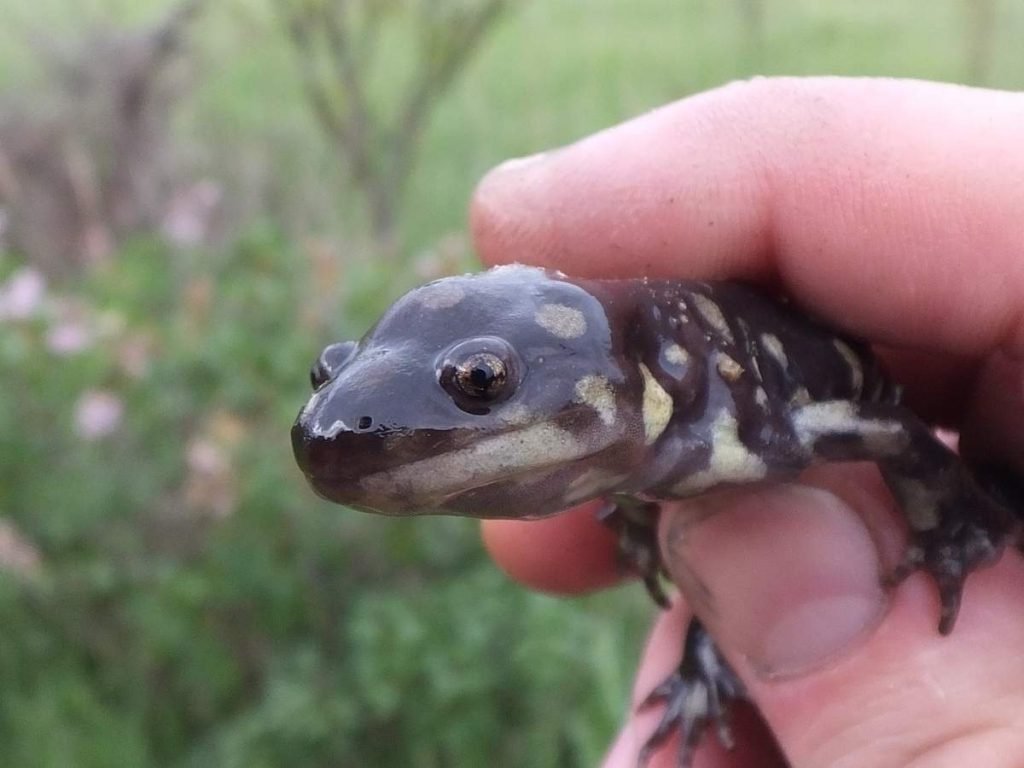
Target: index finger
[892, 208]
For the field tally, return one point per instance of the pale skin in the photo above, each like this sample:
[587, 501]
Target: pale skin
[895, 211]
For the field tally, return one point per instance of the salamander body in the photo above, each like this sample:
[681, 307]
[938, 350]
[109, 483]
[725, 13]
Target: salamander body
[520, 392]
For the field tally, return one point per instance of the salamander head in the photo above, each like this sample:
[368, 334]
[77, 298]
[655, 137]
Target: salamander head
[492, 395]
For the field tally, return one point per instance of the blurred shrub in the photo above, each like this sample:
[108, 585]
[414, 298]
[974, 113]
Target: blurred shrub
[188, 602]
[343, 49]
[87, 157]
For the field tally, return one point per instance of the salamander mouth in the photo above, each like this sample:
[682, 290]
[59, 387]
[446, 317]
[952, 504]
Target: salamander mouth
[477, 500]
[519, 471]
[492, 476]
[535, 447]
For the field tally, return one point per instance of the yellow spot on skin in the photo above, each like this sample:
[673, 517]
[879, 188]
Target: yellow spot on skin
[515, 414]
[441, 295]
[562, 321]
[536, 447]
[881, 437]
[728, 368]
[657, 406]
[730, 460]
[676, 355]
[771, 343]
[712, 313]
[834, 416]
[596, 392]
[856, 372]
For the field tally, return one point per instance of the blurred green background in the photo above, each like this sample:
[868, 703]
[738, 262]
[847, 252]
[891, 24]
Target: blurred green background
[194, 199]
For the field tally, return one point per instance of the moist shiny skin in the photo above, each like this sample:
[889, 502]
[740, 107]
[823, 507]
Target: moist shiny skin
[520, 392]
[650, 389]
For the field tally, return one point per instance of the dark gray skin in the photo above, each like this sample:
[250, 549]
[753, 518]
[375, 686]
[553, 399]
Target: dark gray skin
[519, 392]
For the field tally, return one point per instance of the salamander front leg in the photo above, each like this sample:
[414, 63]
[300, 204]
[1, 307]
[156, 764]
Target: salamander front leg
[698, 695]
[956, 525]
[636, 523]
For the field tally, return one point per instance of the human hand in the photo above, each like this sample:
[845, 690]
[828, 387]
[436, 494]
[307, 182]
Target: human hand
[895, 211]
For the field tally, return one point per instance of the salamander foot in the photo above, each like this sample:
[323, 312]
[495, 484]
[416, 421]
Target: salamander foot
[698, 695]
[969, 528]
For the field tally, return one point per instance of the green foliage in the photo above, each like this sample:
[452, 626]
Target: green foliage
[191, 611]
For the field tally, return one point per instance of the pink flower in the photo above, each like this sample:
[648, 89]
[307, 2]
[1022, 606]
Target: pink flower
[22, 295]
[68, 338]
[98, 413]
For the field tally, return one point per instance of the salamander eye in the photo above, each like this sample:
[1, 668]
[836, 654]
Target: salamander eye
[478, 373]
[331, 359]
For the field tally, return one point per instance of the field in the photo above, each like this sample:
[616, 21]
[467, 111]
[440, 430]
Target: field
[171, 593]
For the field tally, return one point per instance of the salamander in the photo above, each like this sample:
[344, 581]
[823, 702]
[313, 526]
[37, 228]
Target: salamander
[519, 392]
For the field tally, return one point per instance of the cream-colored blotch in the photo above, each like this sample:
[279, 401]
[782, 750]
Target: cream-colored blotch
[657, 406]
[730, 460]
[441, 295]
[562, 321]
[676, 355]
[712, 313]
[596, 392]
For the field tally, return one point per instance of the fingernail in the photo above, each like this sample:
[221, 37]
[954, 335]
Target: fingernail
[788, 576]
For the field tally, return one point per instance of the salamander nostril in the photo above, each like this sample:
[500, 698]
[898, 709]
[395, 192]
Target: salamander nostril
[365, 422]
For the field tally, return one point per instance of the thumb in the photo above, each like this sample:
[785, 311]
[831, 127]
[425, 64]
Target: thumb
[788, 581]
